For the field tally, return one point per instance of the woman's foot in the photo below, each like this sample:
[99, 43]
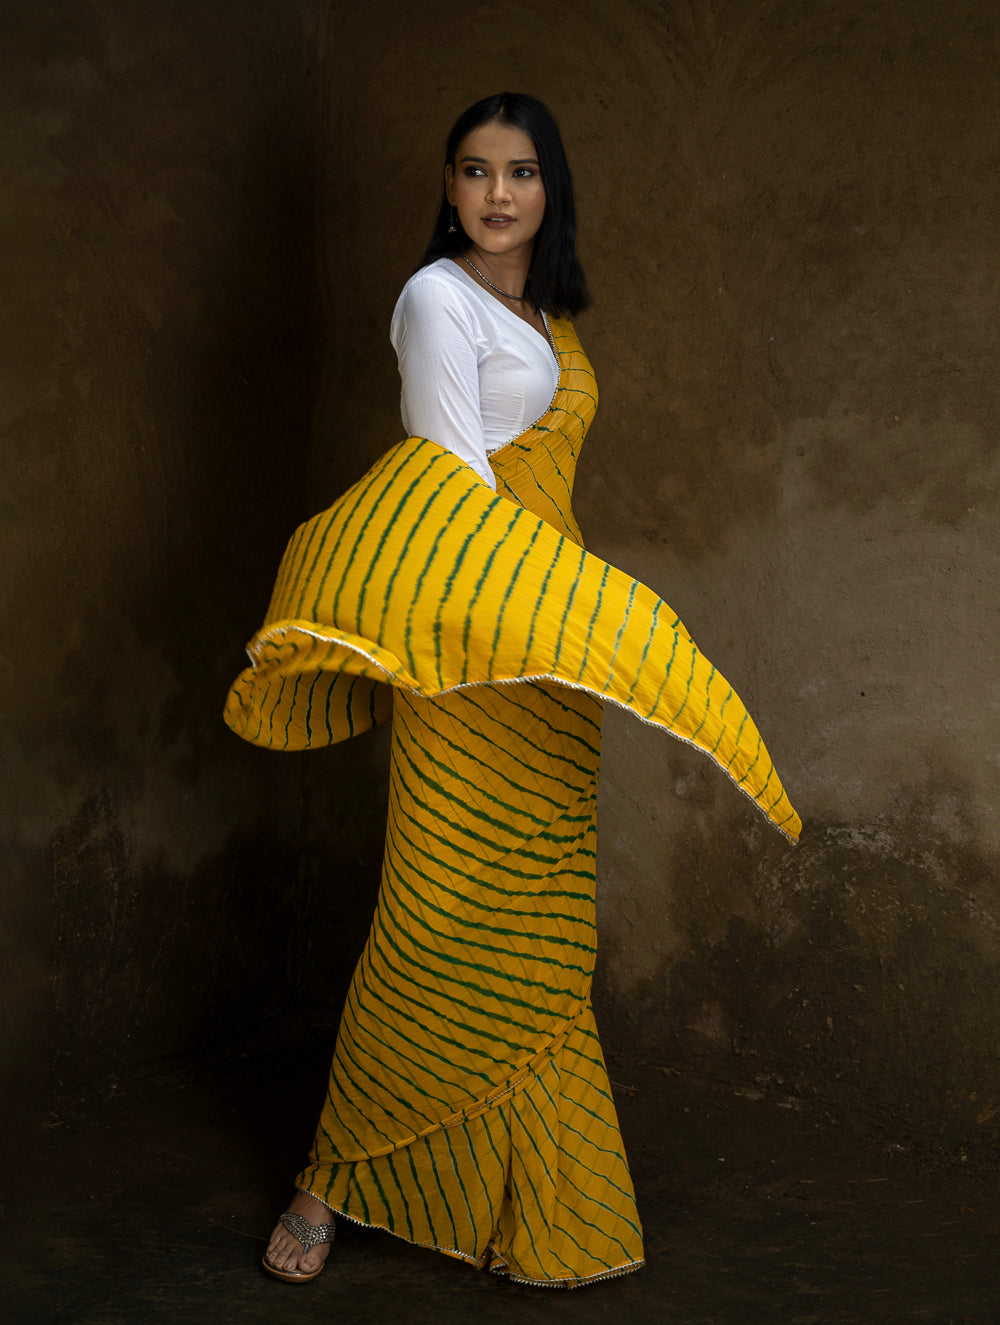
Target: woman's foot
[285, 1252]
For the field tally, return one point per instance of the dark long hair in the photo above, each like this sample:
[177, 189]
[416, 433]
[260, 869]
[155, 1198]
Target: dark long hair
[556, 283]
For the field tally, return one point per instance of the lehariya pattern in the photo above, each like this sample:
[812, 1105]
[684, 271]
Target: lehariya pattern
[469, 1107]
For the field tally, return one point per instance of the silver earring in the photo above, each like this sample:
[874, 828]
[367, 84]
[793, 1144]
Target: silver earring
[452, 229]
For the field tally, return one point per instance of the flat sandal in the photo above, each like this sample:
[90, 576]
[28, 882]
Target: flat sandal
[310, 1235]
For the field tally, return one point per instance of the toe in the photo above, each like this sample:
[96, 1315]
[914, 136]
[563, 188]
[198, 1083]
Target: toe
[310, 1262]
[282, 1252]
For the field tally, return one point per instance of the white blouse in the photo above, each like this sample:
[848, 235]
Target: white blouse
[474, 374]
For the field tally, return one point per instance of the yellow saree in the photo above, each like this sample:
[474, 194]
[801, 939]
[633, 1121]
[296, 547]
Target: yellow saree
[469, 1107]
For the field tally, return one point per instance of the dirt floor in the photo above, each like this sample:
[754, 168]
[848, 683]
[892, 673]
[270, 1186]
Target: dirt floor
[157, 1203]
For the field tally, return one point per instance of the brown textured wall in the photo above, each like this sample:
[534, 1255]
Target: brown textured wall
[788, 215]
[805, 461]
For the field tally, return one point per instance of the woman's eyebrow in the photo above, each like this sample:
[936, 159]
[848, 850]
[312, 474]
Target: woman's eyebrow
[515, 161]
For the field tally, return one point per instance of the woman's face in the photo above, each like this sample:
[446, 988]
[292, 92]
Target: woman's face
[496, 188]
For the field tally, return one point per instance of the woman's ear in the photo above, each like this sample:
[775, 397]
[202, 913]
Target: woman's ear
[449, 184]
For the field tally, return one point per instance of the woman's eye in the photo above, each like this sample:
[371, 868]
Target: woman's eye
[524, 172]
[473, 171]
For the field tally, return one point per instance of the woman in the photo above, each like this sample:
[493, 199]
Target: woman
[469, 1107]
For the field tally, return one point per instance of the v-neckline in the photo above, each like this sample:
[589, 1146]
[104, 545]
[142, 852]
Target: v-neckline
[509, 315]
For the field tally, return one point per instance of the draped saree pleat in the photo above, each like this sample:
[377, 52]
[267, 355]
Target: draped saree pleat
[469, 1108]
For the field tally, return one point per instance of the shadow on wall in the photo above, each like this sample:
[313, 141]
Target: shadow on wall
[161, 271]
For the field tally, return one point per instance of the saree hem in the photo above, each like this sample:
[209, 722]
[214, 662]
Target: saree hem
[490, 1260]
[478, 1263]
[582, 1282]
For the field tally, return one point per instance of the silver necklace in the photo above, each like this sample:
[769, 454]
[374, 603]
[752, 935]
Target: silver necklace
[518, 298]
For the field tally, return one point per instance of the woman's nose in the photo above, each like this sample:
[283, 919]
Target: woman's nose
[499, 189]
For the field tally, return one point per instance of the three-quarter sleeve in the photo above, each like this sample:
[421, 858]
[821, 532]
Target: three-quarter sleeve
[435, 337]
